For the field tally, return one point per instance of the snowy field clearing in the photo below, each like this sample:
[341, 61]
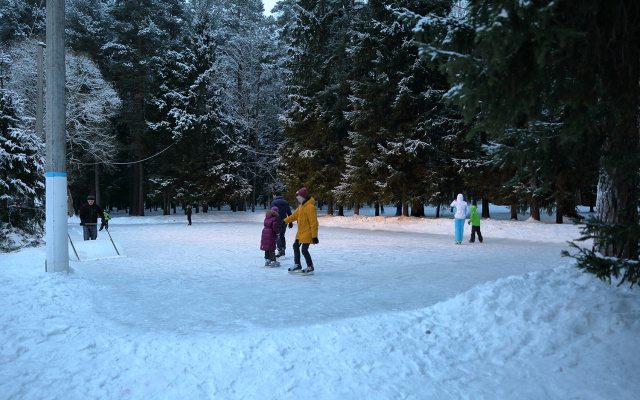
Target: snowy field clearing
[394, 311]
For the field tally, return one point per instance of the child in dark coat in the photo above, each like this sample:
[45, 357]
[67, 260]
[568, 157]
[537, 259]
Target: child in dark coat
[270, 234]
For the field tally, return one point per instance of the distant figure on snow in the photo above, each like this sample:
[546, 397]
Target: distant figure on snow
[188, 212]
[270, 234]
[105, 221]
[462, 210]
[89, 213]
[474, 221]
[284, 210]
[307, 218]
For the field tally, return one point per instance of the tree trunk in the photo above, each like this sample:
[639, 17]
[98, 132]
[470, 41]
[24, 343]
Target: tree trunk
[559, 211]
[166, 204]
[96, 175]
[514, 212]
[405, 209]
[341, 210]
[534, 210]
[137, 190]
[485, 208]
[417, 210]
[616, 204]
[356, 209]
[377, 208]
[70, 209]
[330, 207]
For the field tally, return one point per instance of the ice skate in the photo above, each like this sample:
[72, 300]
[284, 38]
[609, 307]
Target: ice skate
[308, 270]
[295, 269]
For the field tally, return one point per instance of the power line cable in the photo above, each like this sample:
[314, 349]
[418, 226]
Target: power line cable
[131, 162]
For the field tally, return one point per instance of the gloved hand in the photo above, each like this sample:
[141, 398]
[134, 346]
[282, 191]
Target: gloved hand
[469, 223]
[278, 236]
[290, 225]
[81, 223]
[315, 240]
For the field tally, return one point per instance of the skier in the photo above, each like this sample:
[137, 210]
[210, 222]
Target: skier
[307, 218]
[270, 233]
[89, 213]
[284, 210]
[474, 221]
[462, 210]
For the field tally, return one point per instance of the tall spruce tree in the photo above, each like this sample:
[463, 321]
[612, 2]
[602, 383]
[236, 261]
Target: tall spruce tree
[399, 121]
[245, 74]
[142, 31]
[318, 88]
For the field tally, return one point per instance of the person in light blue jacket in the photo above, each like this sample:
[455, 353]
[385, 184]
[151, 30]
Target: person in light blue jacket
[462, 210]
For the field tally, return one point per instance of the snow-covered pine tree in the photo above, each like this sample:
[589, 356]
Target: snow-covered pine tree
[87, 25]
[21, 19]
[369, 109]
[244, 37]
[143, 31]
[398, 117]
[21, 166]
[318, 89]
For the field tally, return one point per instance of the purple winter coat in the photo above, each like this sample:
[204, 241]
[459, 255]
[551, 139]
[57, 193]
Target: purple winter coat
[270, 230]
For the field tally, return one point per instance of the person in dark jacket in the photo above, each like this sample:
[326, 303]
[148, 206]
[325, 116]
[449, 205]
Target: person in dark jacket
[89, 213]
[188, 212]
[284, 210]
[269, 237]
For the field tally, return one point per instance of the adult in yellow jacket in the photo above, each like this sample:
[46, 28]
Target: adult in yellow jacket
[307, 217]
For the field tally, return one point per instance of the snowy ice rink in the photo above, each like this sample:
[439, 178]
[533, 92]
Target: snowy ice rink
[395, 310]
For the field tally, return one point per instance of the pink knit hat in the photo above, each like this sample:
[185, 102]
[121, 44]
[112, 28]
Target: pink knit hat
[302, 192]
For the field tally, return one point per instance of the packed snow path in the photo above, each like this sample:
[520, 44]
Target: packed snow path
[212, 275]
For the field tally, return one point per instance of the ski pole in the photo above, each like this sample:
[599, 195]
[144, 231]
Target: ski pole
[73, 247]
[114, 245]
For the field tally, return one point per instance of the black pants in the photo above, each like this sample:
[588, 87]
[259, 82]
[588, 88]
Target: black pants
[474, 230]
[282, 243]
[270, 255]
[305, 253]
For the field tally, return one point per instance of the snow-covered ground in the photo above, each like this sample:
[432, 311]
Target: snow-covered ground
[394, 311]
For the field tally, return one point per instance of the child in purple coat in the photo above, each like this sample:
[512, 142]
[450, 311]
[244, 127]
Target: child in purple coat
[270, 234]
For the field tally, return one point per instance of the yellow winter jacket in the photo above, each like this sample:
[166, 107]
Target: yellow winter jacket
[307, 218]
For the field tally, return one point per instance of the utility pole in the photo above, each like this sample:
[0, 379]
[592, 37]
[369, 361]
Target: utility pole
[56, 170]
[40, 94]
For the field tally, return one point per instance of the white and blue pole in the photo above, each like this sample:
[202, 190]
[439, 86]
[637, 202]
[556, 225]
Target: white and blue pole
[56, 169]
[56, 222]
